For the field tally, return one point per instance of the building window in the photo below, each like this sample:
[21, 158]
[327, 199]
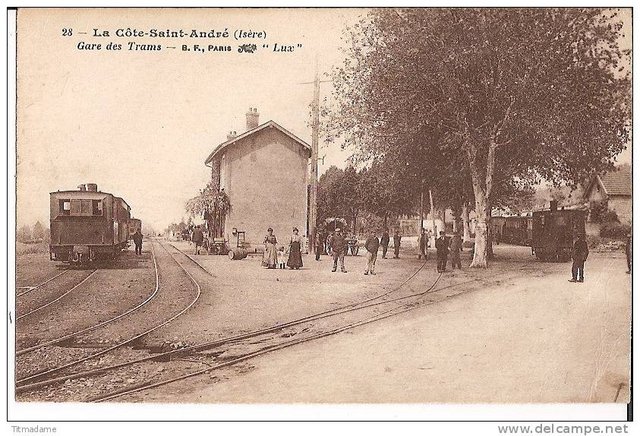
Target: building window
[97, 207]
[65, 207]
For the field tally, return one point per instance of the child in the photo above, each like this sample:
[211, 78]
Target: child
[281, 259]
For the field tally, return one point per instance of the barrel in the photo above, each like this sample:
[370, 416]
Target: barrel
[237, 253]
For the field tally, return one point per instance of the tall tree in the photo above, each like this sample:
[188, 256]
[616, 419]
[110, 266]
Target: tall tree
[516, 94]
[23, 234]
[38, 231]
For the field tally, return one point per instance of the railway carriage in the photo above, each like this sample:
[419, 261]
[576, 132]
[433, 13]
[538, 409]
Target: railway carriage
[87, 225]
[516, 230]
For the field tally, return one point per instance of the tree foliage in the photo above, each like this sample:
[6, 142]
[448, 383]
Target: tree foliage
[38, 231]
[213, 205]
[491, 99]
[23, 234]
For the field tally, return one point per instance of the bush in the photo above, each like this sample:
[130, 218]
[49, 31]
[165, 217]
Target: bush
[593, 241]
[614, 230]
[600, 213]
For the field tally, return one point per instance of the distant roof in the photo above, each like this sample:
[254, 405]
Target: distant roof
[616, 182]
[271, 123]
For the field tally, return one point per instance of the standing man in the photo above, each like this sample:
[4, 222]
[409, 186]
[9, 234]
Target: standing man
[372, 246]
[137, 239]
[456, 248]
[384, 241]
[396, 244]
[197, 238]
[422, 243]
[338, 246]
[579, 255]
[442, 249]
[628, 250]
[319, 244]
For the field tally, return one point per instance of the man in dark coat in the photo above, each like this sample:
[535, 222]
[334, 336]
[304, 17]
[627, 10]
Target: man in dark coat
[628, 250]
[137, 239]
[338, 247]
[422, 243]
[384, 241]
[372, 246]
[456, 248]
[319, 242]
[579, 255]
[396, 244]
[197, 238]
[442, 250]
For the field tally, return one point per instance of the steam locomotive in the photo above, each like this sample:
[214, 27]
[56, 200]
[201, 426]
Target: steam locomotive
[87, 225]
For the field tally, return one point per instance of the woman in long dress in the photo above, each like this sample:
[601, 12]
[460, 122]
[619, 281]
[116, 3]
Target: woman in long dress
[270, 259]
[295, 256]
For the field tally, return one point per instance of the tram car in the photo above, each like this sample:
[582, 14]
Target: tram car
[87, 225]
[554, 232]
[134, 224]
[516, 230]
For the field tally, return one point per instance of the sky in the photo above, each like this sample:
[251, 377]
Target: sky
[140, 124]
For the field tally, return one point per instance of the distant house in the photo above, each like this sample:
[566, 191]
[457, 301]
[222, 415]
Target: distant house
[613, 189]
[264, 171]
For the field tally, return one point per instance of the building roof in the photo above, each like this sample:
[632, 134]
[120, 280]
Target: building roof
[268, 124]
[616, 182]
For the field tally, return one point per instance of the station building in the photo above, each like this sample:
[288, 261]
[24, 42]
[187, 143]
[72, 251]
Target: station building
[265, 173]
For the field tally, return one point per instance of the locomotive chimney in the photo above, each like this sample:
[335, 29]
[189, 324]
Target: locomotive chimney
[252, 118]
[92, 187]
[554, 205]
[82, 187]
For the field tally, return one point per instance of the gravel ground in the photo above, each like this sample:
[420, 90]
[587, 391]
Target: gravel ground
[176, 292]
[530, 336]
[34, 268]
[241, 296]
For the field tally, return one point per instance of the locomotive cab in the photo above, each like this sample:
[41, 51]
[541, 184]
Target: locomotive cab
[87, 225]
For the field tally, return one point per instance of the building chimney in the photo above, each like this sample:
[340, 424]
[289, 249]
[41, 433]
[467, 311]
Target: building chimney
[82, 187]
[92, 187]
[553, 205]
[252, 118]
[231, 135]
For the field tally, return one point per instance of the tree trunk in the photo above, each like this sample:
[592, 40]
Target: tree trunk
[480, 251]
[489, 236]
[482, 181]
[465, 222]
[384, 220]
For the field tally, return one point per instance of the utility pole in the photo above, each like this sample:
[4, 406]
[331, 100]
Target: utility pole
[315, 134]
[315, 137]
[421, 205]
[433, 216]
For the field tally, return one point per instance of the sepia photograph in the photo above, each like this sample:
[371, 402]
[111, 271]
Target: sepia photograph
[403, 207]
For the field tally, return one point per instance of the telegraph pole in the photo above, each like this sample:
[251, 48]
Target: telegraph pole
[315, 134]
[315, 138]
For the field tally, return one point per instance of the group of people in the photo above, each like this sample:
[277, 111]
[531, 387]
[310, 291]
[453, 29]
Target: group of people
[444, 247]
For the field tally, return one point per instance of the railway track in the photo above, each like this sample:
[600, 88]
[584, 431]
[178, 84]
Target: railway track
[73, 335]
[308, 336]
[47, 301]
[29, 379]
[394, 306]
[36, 287]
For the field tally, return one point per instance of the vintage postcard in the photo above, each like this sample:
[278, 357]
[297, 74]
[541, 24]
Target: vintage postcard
[378, 213]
